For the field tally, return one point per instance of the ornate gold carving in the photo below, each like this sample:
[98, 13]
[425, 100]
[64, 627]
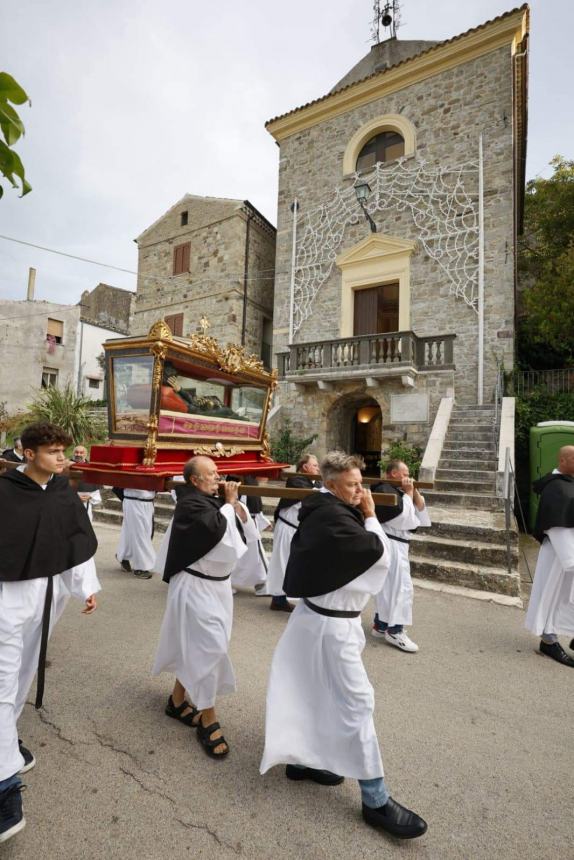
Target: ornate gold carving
[160, 351]
[160, 329]
[218, 450]
[150, 452]
[266, 448]
[204, 324]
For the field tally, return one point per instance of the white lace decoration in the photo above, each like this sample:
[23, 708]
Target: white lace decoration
[444, 213]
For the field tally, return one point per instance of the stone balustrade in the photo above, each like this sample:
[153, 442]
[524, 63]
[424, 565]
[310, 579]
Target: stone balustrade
[390, 350]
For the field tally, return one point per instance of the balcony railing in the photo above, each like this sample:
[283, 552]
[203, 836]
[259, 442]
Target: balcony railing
[394, 349]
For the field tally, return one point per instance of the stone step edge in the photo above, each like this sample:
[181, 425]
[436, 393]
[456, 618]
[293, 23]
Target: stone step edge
[472, 593]
[459, 541]
[460, 565]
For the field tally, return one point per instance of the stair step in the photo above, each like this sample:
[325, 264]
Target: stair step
[493, 579]
[472, 525]
[463, 421]
[474, 436]
[456, 474]
[475, 501]
[486, 448]
[463, 462]
[474, 552]
[487, 486]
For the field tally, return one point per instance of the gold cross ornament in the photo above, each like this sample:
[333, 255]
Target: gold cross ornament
[204, 324]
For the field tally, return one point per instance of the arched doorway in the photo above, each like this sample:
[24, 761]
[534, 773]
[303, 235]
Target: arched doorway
[367, 431]
[355, 424]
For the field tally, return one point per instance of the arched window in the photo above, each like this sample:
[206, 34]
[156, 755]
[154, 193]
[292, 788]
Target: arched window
[385, 146]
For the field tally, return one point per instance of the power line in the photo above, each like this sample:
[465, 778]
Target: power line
[65, 254]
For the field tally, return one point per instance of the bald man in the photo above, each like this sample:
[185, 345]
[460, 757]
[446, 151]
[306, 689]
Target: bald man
[205, 540]
[551, 608]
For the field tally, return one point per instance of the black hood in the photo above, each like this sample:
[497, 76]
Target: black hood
[556, 506]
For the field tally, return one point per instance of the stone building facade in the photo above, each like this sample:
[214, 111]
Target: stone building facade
[446, 212]
[107, 306]
[209, 257]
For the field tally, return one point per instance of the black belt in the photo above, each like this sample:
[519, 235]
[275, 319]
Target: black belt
[44, 643]
[287, 523]
[135, 499]
[331, 613]
[398, 539]
[205, 576]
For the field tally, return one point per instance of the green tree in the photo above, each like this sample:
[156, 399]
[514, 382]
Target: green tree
[12, 129]
[66, 409]
[286, 446]
[546, 263]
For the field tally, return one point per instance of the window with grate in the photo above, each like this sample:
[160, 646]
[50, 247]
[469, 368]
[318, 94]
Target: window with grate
[93, 383]
[181, 255]
[175, 323]
[183, 219]
[385, 146]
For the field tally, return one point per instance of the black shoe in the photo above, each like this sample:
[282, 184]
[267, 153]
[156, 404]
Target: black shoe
[571, 646]
[12, 819]
[126, 565]
[323, 777]
[281, 604]
[143, 574]
[29, 760]
[395, 819]
[557, 652]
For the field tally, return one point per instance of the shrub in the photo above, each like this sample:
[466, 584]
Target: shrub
[62, 406]
[409, 454]
[286, 446]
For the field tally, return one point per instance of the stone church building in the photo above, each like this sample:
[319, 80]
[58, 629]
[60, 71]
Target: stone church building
[400, 199]
[209, 257]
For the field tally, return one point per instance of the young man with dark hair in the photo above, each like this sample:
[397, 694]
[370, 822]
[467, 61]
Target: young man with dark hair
[47, 548]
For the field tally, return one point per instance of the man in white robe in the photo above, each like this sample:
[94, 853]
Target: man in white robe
[394, 602]
[551, 607]
[251, 569]
[319, 702]
[135, 550]
[201, 547]
[286, 521]
[47, 548]
[89, 493]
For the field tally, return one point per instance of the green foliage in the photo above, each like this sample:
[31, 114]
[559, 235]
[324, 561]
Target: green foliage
[286, 446]
[12, 128]
[546, 261]
[66, 409]
[540, 406]
[409, 454]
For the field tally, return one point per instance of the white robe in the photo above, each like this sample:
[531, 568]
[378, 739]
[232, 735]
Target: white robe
[251, 569]
[95, 499]
[319, 700]
[135, 543]
[394, 602]
[196, 627]
[21, 609]
[551, 606]
[282, 537]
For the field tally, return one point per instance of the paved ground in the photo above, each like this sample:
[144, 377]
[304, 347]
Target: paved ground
[476, 732]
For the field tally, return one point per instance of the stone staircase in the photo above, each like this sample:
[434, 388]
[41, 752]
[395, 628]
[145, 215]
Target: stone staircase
[466, 545]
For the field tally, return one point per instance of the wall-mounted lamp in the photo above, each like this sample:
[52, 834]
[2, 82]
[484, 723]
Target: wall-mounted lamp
[366, 414]
[362, 191]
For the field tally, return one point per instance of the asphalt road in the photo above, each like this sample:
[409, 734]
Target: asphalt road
[475, 729]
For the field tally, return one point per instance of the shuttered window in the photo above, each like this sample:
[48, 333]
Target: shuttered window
[383, 147]
[175, 323]
[49, 377]
[55, 330]
[181, 256]
[376, 310]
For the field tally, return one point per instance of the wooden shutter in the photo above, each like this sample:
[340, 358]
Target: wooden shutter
[55, 328]
[175, 323]
[388, 308]
[181, 258]
[365, 317]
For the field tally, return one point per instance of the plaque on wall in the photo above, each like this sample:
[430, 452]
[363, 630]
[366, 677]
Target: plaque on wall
[409, 408]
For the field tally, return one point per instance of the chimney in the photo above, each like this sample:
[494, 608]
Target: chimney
[31, 284]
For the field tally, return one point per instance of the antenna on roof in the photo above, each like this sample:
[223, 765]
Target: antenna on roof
[386, 17]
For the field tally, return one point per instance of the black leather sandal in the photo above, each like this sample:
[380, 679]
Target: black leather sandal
[176, 712]
[204, 736]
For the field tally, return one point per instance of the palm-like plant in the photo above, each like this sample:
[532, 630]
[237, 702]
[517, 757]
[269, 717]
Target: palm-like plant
[66, 409]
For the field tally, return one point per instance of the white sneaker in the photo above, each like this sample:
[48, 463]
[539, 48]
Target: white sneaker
[402, 641]
[378, 634]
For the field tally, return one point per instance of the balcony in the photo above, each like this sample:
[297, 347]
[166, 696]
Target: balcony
[400, 353]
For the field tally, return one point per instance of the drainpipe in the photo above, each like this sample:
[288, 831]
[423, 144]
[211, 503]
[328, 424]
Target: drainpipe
[79, 383]
[250, 215]
[480, 380]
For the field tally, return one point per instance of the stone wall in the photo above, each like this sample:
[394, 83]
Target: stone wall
[107, 306]
[214, 285]
[449, 111]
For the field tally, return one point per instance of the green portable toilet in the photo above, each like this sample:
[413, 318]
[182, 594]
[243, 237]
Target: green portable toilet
[546, 439]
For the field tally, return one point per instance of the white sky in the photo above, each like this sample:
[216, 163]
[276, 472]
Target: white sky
[136, 103]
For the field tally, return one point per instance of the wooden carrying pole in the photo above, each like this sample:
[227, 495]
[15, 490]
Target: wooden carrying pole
[395, 482]
[297, 493]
